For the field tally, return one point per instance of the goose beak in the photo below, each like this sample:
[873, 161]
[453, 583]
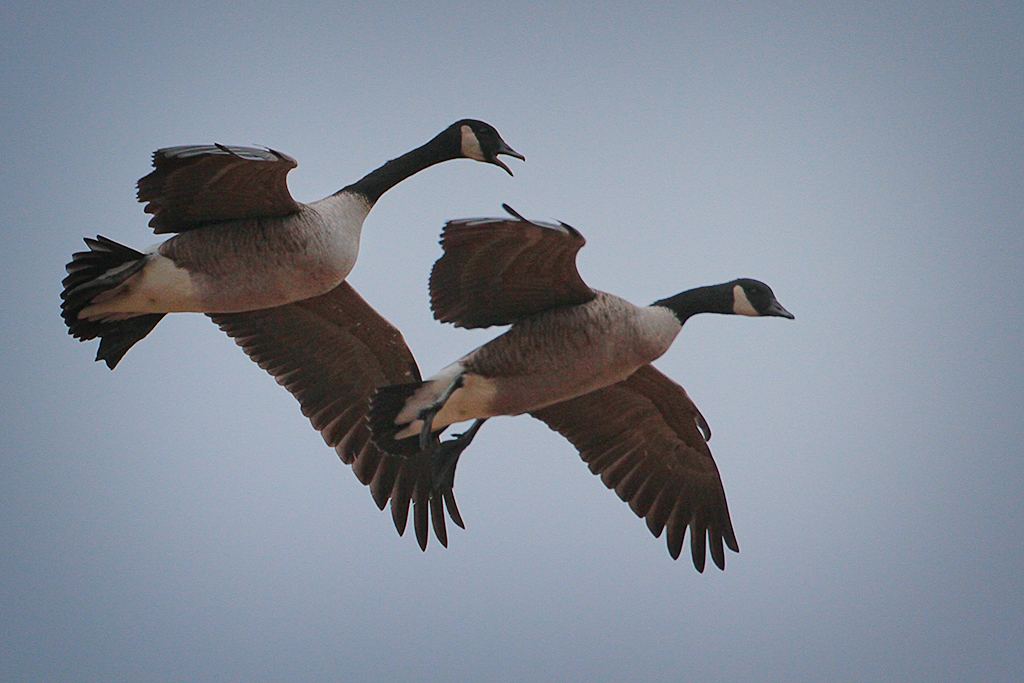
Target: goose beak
[776, 309]
[508, 151]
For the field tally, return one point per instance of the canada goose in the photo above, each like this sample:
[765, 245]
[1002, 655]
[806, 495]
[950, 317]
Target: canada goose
[578, 360]
[242, 242]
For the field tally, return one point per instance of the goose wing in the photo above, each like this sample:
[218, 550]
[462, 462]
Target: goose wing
[331, 352]
[195, 185]
[495, 271]
[642, 436]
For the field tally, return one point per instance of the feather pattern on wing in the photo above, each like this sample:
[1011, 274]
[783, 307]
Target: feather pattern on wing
[642, 436]
[497, 271]
[331, 352]
[194, 185]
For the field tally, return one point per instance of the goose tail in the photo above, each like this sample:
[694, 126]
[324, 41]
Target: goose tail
[106, 266]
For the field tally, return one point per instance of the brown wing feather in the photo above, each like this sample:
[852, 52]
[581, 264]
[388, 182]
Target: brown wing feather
[331, 352]
[193, 186]
[642, 437]
[496, 271]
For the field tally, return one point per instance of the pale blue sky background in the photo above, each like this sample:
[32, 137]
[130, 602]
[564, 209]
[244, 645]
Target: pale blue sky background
[178, 519]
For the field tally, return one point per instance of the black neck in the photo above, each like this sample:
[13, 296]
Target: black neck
[710, 299]
[442, 148]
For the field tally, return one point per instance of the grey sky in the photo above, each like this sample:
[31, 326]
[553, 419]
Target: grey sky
[178, 519]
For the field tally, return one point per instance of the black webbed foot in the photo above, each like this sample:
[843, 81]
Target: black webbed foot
[446, 456]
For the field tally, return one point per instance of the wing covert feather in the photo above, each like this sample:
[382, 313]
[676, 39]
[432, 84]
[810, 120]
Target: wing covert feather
[496, 271]
[196, 185]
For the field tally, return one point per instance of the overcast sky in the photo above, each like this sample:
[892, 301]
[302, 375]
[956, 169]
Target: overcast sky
[179, 520]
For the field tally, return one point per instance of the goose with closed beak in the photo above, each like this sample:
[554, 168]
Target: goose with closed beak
[578, 360]
[242, 242]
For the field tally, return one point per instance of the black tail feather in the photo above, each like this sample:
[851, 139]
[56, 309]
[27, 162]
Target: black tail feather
[105, 266]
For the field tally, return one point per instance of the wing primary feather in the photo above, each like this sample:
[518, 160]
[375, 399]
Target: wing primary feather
[437, 518]
[453, 509]
[400, 508]
[645, 439]
[420, 512]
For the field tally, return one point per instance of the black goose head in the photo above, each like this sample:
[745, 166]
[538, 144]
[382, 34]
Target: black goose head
[481, 142]
[751, 297]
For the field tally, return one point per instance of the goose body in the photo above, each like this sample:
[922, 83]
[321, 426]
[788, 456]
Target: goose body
[243, 265]
[547, 358]
[242, 242]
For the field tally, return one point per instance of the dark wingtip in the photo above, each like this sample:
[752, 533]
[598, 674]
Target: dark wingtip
[116, 338]
[400, 513]
[437, 518]
[698, 553]
[730, 541]
[111, 359]
[419, 522]
[453, 509]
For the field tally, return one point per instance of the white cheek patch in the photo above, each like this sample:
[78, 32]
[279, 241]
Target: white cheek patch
[471, 145]
[741, 304]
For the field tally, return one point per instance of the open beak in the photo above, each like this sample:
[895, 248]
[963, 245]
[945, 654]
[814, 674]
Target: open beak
[505, 149]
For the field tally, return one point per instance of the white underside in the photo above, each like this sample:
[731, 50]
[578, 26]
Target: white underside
[160, 287]
[469, 402]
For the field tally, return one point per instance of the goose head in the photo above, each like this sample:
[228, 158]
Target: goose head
[481, 142]
[754, 298]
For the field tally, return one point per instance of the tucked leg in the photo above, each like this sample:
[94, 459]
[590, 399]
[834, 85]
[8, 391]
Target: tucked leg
[428, 413]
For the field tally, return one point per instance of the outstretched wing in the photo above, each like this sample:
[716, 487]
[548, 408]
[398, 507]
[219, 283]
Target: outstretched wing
[331, 352]
[642, 436]
[495, 271]
[195, 185]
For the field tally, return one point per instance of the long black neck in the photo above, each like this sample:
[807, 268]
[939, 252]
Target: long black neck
[710, 299]
[442, 148]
